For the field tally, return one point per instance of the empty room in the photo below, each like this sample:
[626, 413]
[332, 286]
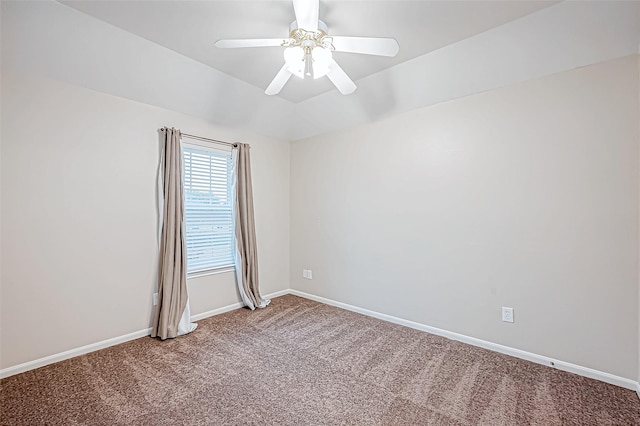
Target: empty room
[303, 212]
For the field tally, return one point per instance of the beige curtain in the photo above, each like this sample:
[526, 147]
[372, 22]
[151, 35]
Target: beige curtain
[172, 317]
[246, 248]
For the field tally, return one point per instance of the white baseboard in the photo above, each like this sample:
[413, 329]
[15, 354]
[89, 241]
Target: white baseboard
[238, 305]
[217, 311]
[41, 362]
[277, 294]
[538, 359]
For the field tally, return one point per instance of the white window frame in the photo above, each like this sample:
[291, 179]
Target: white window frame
[198, 272]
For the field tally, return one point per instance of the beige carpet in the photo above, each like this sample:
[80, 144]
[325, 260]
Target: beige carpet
[299, 362]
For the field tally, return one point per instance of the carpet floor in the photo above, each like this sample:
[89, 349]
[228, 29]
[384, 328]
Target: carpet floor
[300, 362]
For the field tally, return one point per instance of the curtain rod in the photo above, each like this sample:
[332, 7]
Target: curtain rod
[200, 138]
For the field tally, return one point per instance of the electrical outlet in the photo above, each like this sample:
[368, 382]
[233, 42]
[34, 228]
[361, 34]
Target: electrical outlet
[507, 314]
[306, 273]
[155, 299]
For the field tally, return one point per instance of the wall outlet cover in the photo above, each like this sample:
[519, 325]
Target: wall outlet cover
[507, 314]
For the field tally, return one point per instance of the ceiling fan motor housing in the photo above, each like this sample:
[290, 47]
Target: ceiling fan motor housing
[321, 27]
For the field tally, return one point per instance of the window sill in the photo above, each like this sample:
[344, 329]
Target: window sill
[220, 270]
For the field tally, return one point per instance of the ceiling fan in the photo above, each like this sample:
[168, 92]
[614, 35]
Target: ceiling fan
[308, 49]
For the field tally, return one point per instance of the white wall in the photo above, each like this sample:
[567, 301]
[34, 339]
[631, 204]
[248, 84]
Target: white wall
[78, 176]
[67, 45]
[79, 223]
[525, 196]
[565, 36]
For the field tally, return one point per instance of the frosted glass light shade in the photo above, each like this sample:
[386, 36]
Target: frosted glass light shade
[294, 57]
[321, 60]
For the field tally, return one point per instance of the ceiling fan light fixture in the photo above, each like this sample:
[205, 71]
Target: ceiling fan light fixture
[294, 57]
[308, 49]
[321, 60]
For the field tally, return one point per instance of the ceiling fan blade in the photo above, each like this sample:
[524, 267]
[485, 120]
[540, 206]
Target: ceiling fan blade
[279, 81]
[307, 14]
[249, 42]
[340, 79]
[366, 45]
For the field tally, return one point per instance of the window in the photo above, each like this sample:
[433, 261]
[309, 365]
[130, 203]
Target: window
[208, 202]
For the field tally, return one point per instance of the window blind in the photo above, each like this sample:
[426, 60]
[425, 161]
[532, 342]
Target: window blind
[208, 209]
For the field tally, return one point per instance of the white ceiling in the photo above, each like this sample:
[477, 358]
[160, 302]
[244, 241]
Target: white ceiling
[191, 28]
[448, 49]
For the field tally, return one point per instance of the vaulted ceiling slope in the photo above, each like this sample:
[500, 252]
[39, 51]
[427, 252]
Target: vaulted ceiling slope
[161, 53]
[190, 28]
